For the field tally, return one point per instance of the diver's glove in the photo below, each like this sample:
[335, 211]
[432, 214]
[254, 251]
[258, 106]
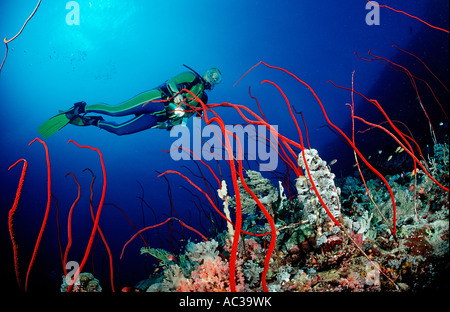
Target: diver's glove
[177, 108]
[164, 125]
[178, 99]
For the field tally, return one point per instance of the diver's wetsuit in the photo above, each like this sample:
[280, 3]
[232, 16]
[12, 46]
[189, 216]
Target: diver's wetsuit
[152, 114]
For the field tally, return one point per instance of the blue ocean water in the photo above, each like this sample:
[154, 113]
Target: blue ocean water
[121, 48]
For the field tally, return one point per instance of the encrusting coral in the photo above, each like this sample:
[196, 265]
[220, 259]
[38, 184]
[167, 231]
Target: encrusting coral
[261, 187]
[86, 282]
[323, 179]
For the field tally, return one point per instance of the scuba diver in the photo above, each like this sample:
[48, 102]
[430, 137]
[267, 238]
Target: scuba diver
[162, 107]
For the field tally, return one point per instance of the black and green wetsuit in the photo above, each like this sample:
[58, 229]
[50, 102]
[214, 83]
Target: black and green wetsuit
[148, 114]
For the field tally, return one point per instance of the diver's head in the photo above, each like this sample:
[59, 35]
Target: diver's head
[212, 77]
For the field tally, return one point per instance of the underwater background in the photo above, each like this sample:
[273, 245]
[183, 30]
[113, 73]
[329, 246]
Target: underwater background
[122, 48]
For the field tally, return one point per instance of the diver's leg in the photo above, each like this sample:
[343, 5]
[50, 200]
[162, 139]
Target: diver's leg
[134, 105]
[139, 123]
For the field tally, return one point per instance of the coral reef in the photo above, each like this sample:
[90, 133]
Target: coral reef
[86, 282]
[312, 253]
[201, 268]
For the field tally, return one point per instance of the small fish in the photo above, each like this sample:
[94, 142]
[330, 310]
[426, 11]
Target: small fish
[441, 124]
[333, 162]
[414, 172]
[380, 151]
[389, 158]
[171, 258]
[370, 156]
[398, 148]
[401, 150]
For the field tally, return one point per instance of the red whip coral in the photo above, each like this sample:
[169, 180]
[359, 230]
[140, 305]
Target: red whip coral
[11, 217]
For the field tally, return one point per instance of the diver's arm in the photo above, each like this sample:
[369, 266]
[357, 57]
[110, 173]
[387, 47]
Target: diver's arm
[185, 77]
[197, 90]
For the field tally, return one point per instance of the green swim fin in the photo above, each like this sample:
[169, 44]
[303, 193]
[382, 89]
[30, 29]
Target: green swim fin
[53, 125]
[58, 122]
